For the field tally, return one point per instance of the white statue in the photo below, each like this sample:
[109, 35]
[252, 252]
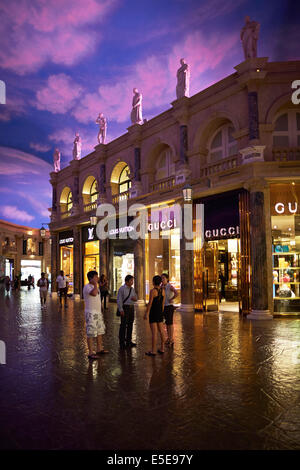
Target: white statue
[101, 120]
[56, 159]
[77, 147]
[249, 37]
[136, 113]
[183, 80]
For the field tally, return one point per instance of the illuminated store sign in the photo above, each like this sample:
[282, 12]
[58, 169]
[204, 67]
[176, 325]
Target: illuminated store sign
[290, 207]
[152, 226]
[223, 232]
[66, 238]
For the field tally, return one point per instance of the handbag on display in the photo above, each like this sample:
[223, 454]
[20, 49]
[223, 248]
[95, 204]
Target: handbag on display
[118, 311]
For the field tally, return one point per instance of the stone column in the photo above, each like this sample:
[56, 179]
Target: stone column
[76, 262]
[75, 189]
[186, 268]
[54, 262]
[139, 281]
[53, 181]
[181, 114]
[259, 261]
[103, 256]
[183, 132]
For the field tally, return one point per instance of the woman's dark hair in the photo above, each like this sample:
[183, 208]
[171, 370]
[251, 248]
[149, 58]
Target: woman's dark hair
[102, 277]
[156, 280]
[91, 274]
[166, 275]
[128, 277]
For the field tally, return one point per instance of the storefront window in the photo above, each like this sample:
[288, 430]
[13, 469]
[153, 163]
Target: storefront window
[91, 258]
[66, 263]
[285, 219]
[123, 264]
[163, 256]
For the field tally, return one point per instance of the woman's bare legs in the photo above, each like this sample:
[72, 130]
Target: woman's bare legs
[162, 335]
[153, 327]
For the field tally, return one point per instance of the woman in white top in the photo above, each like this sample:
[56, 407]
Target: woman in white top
[43, 285]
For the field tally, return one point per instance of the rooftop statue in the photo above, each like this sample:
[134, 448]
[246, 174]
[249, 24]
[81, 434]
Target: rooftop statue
[183, 80]
[56, 160]
[77, 147]
[101, 120]
[249, 37]
[136, 113]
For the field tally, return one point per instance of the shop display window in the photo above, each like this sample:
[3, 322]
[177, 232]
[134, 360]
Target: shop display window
[90, 259]
[66, 264]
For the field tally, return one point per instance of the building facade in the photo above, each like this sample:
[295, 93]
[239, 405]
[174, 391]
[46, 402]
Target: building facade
[237, 144]
[23, 251]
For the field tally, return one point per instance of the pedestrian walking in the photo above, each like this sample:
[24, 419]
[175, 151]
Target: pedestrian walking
[103, 289]
[154, 310]
[170, 294]
[29, 282]
[43, 284]
[125, 300]
[7, 284]
[62, 282]
[95, 326]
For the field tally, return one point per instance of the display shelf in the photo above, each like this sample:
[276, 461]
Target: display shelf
[286, 298]
[286, 253]
[286, 282]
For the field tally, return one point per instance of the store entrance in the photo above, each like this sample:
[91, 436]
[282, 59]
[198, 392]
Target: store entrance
[221, 276]
[66, 264]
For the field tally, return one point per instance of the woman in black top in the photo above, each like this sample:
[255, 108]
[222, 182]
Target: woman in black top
[155, 310]
[103, 283]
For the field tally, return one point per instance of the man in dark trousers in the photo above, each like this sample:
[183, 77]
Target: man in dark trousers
[125, 300]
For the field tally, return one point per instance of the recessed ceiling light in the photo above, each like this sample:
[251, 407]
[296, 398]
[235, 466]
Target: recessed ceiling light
[290, 229]
[275, 226]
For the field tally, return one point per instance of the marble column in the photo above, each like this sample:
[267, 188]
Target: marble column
[54, 261]
[77, 262]
[183, 130]
[103, 256]
[136, 189]
[139, 281]
[259, 278]
[186, 272]
[253, 115]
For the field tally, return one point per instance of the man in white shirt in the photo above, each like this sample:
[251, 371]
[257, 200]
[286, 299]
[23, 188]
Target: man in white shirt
[62, 282]
[95, 327]
[125, 300]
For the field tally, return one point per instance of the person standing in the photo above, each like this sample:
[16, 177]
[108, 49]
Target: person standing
[155, 309]
[29, 283]
[62, 283]
[103, 289]
[43, 284]
[95, 327]
[170, 294]
[125, 300]
[7, 284]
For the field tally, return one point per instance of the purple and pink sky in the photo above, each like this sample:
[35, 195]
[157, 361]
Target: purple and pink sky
[64, 61]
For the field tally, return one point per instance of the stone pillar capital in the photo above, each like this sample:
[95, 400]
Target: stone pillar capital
[101, 151]
[135, 135]
[251, 72]
[256, 185]
[75, 166]
[181, 110]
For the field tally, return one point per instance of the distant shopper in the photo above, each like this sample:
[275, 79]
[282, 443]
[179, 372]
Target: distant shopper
[155, 309]
[170, 294]
[32, 282]
[125, 300]
[103, 289]
[62, 283]
[29, 281]
[222, 280]
[7, 284]
[95, 327]
[43, 284]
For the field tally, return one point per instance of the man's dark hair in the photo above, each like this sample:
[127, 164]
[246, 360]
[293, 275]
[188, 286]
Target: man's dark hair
[166, 275]
[128, 278]
[61, 271]
[91, 274]
[42, 274]
[156, 280]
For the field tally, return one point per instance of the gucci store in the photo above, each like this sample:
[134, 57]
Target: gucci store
[222, 265]
[285, 220]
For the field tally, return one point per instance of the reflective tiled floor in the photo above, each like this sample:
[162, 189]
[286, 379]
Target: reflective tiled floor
[228, 384]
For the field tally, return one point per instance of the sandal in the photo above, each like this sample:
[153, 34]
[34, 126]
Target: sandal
[149, 353]
[93, 357]
[103, 351]
[160, 351]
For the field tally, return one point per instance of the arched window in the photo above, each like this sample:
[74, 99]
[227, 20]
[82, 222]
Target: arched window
[165, 166]
[94, 192]
[222, 144]
[124, 180]
[69, 201]
[287, 130]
